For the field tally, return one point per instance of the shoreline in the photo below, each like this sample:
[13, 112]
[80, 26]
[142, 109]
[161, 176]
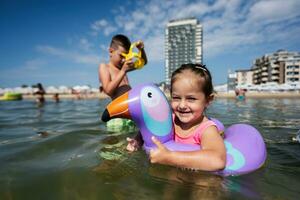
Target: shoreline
[70, 96]
[256, 94]
[221, 95]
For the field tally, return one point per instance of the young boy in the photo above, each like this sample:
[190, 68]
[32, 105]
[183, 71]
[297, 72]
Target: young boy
[114, 79]
[113, 75]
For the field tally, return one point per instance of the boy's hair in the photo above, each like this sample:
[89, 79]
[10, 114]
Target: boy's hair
[120, 40]
[197, 69]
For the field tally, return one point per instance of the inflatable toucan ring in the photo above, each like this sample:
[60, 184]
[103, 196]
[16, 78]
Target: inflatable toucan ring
[149, 108]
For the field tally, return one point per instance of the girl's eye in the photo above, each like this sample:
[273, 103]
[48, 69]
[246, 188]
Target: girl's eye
[191, 99]
[175, 98]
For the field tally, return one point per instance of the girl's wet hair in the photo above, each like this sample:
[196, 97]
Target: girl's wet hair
[199, 70]
[120, 40]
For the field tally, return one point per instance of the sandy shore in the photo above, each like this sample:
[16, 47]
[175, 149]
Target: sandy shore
[218, 95]
[70, 96]
[252, 94]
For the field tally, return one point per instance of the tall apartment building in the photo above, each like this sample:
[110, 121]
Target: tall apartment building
[183, 44]
[280, 67]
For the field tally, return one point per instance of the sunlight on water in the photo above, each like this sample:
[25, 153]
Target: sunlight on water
[63, 151]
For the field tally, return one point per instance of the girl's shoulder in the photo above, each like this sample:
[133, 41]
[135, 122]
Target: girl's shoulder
[204, 125]
[194, 137]
[200, 130]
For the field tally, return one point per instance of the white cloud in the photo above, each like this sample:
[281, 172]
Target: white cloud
[72, 56]
[228, 24]
[34, 64]
[274, 11]
[155, 51]
[85, 44]
[102, 26]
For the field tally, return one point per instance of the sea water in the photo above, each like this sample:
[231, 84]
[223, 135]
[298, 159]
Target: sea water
[63, 151]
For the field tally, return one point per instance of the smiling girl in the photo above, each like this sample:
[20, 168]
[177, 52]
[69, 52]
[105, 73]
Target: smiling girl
[191, 93]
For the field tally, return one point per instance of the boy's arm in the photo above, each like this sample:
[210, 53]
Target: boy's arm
[109, 85]
[144, 56]
[140, 46]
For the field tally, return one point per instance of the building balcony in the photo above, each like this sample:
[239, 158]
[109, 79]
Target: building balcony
[292, 76]
[292, 70]
[275, 75]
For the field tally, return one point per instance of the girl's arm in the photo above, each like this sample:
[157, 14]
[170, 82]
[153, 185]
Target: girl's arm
[211, 157]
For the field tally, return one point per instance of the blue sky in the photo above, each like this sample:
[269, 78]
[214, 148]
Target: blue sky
[63, 42]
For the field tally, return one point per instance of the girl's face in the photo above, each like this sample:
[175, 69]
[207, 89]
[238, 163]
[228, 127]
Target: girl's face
[188, 101]
[116, 56]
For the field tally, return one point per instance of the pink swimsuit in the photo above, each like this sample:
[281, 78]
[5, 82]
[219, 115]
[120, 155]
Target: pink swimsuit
[195, 138]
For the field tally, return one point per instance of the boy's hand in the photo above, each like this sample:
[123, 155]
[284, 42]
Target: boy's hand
[132, 145]
[128, 65]
[140, 44]
[160, 154]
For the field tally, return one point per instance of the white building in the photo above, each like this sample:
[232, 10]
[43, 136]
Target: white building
[279, 67]
[244, 77]
[183, 44]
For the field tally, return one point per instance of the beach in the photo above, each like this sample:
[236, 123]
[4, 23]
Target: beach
[70, 96]
[250, 94]
[258, 94]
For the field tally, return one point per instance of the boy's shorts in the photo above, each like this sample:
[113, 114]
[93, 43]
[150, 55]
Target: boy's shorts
[118, 124]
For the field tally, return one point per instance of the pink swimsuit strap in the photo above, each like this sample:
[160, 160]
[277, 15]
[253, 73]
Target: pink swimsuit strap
[195, 137]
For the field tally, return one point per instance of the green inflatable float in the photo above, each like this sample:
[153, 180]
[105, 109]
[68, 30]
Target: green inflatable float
[11, 96]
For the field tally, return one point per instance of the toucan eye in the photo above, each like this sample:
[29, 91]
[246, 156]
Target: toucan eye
[150, 96]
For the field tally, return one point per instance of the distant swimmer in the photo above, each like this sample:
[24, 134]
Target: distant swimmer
[240, 94]
[40, 93]
[56, 97]
[297, 137]
[42, 133]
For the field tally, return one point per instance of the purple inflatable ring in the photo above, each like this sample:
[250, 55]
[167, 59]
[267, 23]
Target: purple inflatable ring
[149, 108]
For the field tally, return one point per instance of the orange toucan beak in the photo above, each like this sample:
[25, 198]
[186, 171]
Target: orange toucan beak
[117, 108]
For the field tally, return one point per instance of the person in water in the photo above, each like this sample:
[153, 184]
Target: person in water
[191, 94]
[40, 93]
[297, 137]
[240, 94]
[113, 75]
[56, 97]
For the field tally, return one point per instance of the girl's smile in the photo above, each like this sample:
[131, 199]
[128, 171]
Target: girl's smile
[188, 101]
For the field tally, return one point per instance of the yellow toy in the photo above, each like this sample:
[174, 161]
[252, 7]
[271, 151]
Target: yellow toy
[139, 62]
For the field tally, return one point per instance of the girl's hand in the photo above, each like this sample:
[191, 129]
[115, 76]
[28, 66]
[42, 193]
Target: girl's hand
[133, 145]
[160, 154]
[140, 44]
